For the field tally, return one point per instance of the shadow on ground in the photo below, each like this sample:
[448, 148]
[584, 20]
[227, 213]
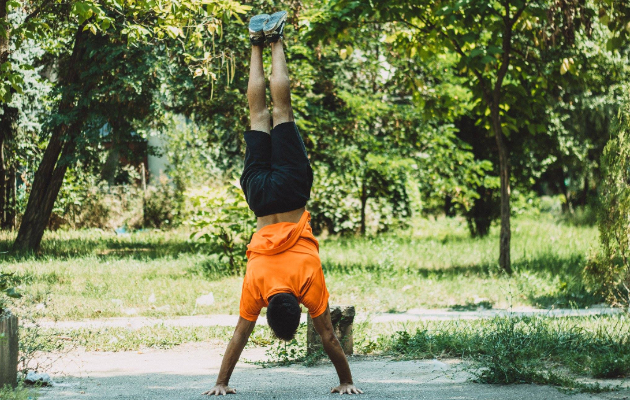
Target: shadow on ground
[380, 379]
[105, 248]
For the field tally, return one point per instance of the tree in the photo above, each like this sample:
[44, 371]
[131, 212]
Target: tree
[188, 22]
[372, 148]
[502, 47]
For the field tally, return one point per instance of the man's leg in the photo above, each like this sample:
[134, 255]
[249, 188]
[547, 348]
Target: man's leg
[288, 154]
[258, 154]
[280, 85]
[258, 112]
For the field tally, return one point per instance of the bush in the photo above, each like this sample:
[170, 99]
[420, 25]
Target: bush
[161, 204]
[7, 290]
[223, 221]
[611, 366]
[336, 204]
[85, 201]
[19, 393]
[608, 269]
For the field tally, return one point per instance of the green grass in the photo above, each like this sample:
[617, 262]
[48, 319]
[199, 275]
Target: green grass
[557, 351]
[123, 339]
[19, 393]
[95, 274]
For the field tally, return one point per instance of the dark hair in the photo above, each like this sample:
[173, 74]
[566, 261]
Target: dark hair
[283, 315]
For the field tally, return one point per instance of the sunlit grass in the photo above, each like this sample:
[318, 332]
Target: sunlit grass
[94, 274]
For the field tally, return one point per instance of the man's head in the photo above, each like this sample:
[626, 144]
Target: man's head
[283, 315]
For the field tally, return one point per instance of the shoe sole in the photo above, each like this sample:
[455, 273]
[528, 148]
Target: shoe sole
[274, 21]
[258, 22]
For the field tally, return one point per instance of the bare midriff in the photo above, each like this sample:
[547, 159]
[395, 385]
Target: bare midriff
[289, 216]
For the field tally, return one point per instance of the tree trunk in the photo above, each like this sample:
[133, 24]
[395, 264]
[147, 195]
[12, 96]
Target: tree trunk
[584, 196]
[11, 201]
[504, 174]
[8, 127]
[4, 121]
[56, 159]
[4, 40]
[3, 173]
[364, 199]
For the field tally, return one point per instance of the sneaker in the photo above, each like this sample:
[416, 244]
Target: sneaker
[256, 33]
[274, 27]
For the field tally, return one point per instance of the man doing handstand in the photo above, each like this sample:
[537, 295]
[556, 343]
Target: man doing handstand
[283, 268]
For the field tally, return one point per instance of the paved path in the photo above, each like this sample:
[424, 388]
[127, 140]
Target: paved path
[411, 315]
[186, 371]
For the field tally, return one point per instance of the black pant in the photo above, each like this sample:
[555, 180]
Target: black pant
[277, 176]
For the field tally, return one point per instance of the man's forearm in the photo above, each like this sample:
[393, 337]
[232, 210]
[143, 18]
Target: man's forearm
[232, 354]
[338, 358]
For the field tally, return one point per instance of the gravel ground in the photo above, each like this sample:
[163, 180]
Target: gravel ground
[186, 371]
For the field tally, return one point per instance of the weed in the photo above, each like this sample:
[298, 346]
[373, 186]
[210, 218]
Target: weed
[611, 365]
[527, 349]
[19, 393]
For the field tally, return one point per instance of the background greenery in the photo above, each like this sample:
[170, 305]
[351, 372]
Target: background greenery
[467, 153]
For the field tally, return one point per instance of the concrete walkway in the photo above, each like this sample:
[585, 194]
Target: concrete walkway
[187, 371]
[411, 315]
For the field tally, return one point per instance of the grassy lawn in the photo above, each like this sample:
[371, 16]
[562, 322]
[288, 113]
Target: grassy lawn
[95, 274]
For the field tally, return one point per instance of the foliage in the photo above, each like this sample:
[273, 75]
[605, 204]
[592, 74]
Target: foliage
[191, 22]
[334, 204]
[520, 349]
[224, 221]
[609, 269]
[7, 290]
[87, 201]
[615, 14]
[19, 393]
[161, 204]
[280, 352]
[187, 145]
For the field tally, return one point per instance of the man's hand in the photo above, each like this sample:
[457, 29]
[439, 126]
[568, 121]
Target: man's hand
[346, 388]
[220, 390]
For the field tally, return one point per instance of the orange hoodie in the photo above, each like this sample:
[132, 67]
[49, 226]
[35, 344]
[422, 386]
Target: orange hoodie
[284, 258]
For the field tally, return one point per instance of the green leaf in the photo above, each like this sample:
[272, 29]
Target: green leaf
[11, 292]
[476, 52]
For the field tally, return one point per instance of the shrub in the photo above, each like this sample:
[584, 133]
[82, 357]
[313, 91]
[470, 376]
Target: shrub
[611, 366]
[387, 201]
[161, 204]
[86, 201]
[7, 290]
[608, 269]
[334, 204]
[223, 220]
[19, 393]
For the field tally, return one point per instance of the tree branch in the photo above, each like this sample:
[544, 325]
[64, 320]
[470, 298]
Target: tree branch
[507, 48]
[36, 12]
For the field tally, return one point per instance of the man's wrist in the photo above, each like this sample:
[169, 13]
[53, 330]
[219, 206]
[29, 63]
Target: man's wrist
[222, 383]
